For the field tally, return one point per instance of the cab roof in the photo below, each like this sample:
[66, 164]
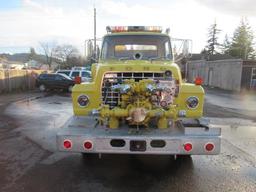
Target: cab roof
[136, 33]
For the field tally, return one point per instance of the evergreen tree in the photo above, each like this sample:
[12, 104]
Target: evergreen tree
[212, 42]
[226, 45]
[204, 52]
[242, 42]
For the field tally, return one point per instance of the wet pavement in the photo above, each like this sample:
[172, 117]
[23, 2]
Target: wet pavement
[29, 160]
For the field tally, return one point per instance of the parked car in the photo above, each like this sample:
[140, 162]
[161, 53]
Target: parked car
[54, 81]
[79, 68]
[84, 74]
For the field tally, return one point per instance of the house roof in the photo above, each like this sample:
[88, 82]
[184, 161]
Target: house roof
[210, 57]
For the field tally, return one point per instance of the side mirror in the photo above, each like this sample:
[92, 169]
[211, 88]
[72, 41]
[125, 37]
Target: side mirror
[91, 53]
[97, 52]
[182, 48]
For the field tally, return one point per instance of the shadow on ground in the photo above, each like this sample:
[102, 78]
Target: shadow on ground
[109, 173]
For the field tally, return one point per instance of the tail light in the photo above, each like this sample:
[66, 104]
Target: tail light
[187, 147]
[78, 80]
[88, 145]
[67, 144]
[209, 146]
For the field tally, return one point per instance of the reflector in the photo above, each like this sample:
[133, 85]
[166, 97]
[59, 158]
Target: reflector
[209, 146]
[87, 145]
[188, 147]
[67, 144]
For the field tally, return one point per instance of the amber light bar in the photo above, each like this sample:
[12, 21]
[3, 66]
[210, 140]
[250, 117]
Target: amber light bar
[119, 29]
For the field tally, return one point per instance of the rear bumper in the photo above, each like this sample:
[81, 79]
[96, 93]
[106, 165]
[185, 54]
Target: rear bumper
[81, 129]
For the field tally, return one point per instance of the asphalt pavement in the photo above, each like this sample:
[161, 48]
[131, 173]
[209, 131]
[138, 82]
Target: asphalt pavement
[30, 162]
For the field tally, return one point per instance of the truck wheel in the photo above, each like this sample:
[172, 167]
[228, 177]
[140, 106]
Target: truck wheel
[184, 162]
[42, 88]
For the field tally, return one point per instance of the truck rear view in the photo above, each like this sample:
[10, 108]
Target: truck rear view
[137, 102]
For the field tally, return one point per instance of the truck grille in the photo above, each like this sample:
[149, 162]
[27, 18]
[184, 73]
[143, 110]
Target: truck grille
[112, 98]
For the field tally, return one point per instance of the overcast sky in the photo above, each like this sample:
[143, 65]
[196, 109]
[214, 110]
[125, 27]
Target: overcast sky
[25, 23]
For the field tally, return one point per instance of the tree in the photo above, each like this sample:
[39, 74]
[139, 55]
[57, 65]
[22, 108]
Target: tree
[76, 61]
[64, 53]
[48, 49]
[226, 45]
[242, 41]
[32, 53]
[212, 42]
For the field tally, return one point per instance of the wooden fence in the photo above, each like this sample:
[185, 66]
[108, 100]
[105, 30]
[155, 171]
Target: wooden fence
[17, 80]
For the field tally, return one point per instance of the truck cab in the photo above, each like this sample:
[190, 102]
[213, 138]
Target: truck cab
[137, 102]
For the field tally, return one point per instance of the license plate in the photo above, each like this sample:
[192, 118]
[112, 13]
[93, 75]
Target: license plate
[138, 145]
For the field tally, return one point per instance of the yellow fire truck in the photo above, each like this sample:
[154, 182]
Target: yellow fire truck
[137, 102]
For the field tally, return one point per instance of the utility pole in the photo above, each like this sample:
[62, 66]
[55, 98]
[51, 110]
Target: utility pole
[94, 32]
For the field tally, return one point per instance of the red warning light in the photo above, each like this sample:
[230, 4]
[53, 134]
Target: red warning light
[198, 81]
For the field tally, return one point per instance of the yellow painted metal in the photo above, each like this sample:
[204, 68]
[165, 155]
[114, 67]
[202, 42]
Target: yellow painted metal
[93, 91]
[162, 123]
[187, 90]
[113, 122]
[115, 114]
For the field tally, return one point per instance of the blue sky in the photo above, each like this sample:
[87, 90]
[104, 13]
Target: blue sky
[10, 4]
[25, 23]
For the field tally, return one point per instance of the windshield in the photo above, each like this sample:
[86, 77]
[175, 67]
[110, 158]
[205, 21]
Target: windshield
[129, 47]
[64, 72]
[64, 75]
